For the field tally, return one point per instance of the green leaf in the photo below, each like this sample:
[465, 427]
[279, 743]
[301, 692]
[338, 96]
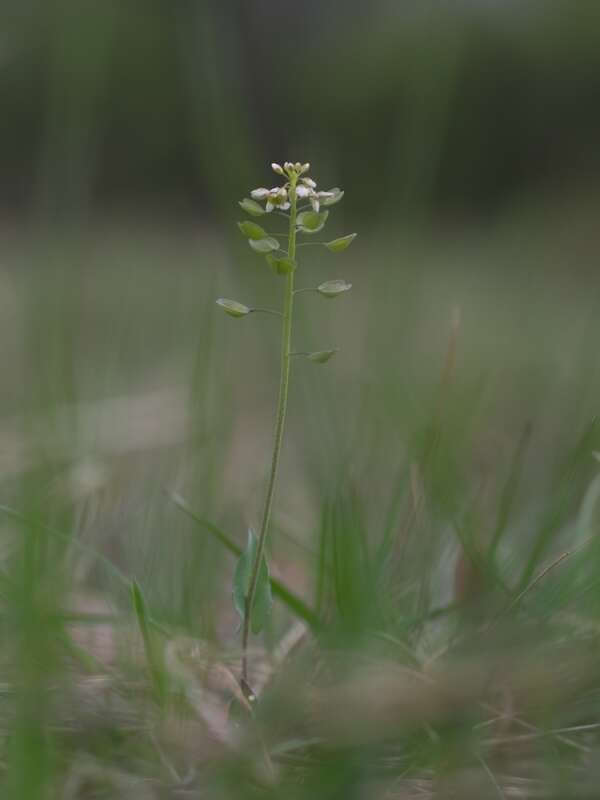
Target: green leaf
[294, 603]
[232, 307]
[337, 245]
[332, 289]
[337, 196]
[321, 356]
[263, 599]
[264, 245]
[311, 221]
[252, 207]
[251, 230]
[282, 266]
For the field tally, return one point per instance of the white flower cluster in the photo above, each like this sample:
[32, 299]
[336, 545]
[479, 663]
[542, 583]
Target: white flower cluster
[305, 188]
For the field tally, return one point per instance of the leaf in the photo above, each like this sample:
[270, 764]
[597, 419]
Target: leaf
[311, 221]
[232, 307]
[282, 266]
[332, 289]
[280, 590]
[263, 599]
[321, 356]
[338, 245]
[251, 230]
[252, 207]
[331, 201]
[264, 245]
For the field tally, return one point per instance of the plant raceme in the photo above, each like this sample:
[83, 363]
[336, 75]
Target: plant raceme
[306, 210]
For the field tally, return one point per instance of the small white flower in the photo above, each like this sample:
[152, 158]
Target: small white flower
[316, 198]
[277, 198]
[306, 189]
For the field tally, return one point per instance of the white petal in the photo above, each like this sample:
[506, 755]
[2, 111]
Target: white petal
[284, 206]
[269, 206]
[325, 195]
[303, 191]
[259, 194]
[309, 182]
[314, 201]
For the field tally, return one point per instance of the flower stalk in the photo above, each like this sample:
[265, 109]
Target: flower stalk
[284, 383]
[252, 588]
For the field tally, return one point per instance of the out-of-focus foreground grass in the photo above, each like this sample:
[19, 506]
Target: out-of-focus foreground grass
[435, 519]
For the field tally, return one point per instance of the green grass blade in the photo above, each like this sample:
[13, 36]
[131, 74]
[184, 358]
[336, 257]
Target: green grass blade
[153, 656]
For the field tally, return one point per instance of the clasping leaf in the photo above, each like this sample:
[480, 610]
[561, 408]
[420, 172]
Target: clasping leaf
[263, 599]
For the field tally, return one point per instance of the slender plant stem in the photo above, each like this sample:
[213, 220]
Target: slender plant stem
[286, 341]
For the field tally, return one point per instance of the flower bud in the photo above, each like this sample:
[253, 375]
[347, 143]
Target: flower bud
[277, 168]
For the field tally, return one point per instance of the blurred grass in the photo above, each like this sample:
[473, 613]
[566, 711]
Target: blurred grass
[456, 426]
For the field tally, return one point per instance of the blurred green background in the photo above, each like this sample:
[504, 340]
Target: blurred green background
[457, 421]
[458, 109]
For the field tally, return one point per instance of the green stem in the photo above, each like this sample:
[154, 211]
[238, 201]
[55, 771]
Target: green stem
[286, 341]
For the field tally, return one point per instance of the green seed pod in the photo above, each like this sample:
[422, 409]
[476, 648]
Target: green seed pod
[337, 245]
[252, 231]
[266, 245]
[337, 196]
[282, 266]
[252, 207]
[321, 356]
[332, 289]
[233, 308]
[311, 221]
